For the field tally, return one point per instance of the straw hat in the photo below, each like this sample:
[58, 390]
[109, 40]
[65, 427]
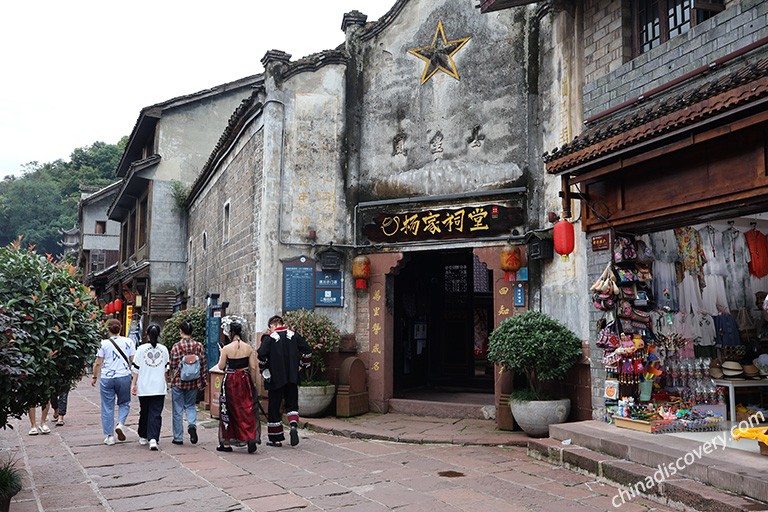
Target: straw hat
[751, 370]
[716, 373]
[732, 366]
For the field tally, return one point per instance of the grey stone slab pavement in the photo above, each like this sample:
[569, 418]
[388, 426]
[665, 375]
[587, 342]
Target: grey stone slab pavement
[369, 463]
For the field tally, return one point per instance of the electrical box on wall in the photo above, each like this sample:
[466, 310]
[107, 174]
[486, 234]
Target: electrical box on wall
[539, 247]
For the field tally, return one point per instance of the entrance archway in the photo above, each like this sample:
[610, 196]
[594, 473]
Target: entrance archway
[443, 313]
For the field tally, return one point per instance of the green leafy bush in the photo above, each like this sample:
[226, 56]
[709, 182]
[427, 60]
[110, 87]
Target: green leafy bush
[321, 334]
[170, 333]
[12, 369]
[535, 344]
[61, 318]
[10, 478]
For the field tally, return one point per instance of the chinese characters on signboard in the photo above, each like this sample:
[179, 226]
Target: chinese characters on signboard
[440, 224]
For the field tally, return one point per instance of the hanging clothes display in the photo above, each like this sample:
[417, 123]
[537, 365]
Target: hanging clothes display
[665, 253]
[737, 284]
[713, 297]
[758, 252]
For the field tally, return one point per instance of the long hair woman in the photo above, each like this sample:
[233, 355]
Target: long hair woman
[149, 368]
[239, 400]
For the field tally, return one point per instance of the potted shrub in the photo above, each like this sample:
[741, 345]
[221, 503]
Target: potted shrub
[315, 390]
[542, 349]
[10, 482]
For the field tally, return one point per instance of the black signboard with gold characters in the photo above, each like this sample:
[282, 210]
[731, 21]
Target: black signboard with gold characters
[466, 221]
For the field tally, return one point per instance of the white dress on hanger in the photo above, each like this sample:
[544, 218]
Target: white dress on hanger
[713, 297]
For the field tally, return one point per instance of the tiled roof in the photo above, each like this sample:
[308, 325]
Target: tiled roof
[665, 114]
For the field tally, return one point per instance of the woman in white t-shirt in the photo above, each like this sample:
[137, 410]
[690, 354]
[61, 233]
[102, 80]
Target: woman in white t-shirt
[113, 364]
[149, 368]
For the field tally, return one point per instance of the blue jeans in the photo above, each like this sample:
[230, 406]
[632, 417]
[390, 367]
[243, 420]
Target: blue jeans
[183, 401]
[119, 387]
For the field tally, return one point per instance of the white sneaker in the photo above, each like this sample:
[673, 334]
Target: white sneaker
[120, 431]
[109, 440]
[153, 445]
[143, 441]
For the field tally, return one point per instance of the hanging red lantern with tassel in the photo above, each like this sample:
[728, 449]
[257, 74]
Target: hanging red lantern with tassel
[564, 238]
[510, 260]
[109, 308]
[118, 305]
[106, 309]
[361, 271]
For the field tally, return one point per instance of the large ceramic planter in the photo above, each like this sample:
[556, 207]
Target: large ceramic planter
[314, 400]
[536, 416]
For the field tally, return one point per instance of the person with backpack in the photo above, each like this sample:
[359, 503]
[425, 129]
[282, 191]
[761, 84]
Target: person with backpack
[113, 368]
[150, 365]
[189, 373]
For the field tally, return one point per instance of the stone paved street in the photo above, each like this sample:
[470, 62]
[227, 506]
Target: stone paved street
[71, 470]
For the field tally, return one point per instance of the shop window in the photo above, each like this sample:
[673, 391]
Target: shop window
[124, 252]
[657, 21]
[132, 233]
[101, 227]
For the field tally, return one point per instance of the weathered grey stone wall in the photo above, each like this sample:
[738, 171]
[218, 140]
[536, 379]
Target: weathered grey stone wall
[228, 266]
[303, 188]
[418, 140]
[739, 25]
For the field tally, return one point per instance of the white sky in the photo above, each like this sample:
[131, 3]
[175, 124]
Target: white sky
[79, 72]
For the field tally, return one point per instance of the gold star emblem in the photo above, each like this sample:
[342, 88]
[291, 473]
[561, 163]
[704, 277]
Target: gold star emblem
[439, 55]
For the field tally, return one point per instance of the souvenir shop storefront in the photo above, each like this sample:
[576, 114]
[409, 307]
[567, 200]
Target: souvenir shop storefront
[674, 208]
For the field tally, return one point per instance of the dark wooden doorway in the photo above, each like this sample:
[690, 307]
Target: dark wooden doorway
[443, 314]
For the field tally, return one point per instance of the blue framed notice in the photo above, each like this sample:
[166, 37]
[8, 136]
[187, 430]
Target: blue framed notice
[519, 295]
[329, 297]
[299, 284]
[328, 280]
[328, 289]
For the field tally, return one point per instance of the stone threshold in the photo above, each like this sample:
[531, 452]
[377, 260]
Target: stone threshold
[442, 409]
[723, 480]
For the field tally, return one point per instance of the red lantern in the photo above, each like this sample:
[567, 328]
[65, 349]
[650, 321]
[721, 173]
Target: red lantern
[109, 308]
[564, 238]
[510, 260]
[361, 271]
[118, 305]
[106, 309]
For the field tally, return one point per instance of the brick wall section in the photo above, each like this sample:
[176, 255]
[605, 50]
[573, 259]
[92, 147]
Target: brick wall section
[607, 43]
[228, 268]
[610, 79]
[595, 266]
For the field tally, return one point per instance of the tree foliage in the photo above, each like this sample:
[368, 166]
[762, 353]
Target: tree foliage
[45, 198]
[170, 333]
[52, 320]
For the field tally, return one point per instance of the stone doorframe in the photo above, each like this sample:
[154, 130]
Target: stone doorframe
[375, 320]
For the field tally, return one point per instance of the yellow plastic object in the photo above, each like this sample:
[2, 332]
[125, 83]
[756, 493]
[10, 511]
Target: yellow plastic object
[759, 433]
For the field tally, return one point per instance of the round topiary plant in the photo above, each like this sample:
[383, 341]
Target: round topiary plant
[61, 320]
[170, 333]
[321, 334]
[535, 344]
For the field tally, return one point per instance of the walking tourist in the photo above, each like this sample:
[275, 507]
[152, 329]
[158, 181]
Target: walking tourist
[43, 428]
[113, 368]
[239, 400]
[149, 369]
[280, 354]
[189, 373]
[59, 406]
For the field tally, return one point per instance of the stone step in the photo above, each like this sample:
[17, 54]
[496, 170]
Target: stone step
[441, 409]
[721, 480]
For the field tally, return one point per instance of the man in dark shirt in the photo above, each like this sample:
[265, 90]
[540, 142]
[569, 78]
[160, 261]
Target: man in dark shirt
[281, 353]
